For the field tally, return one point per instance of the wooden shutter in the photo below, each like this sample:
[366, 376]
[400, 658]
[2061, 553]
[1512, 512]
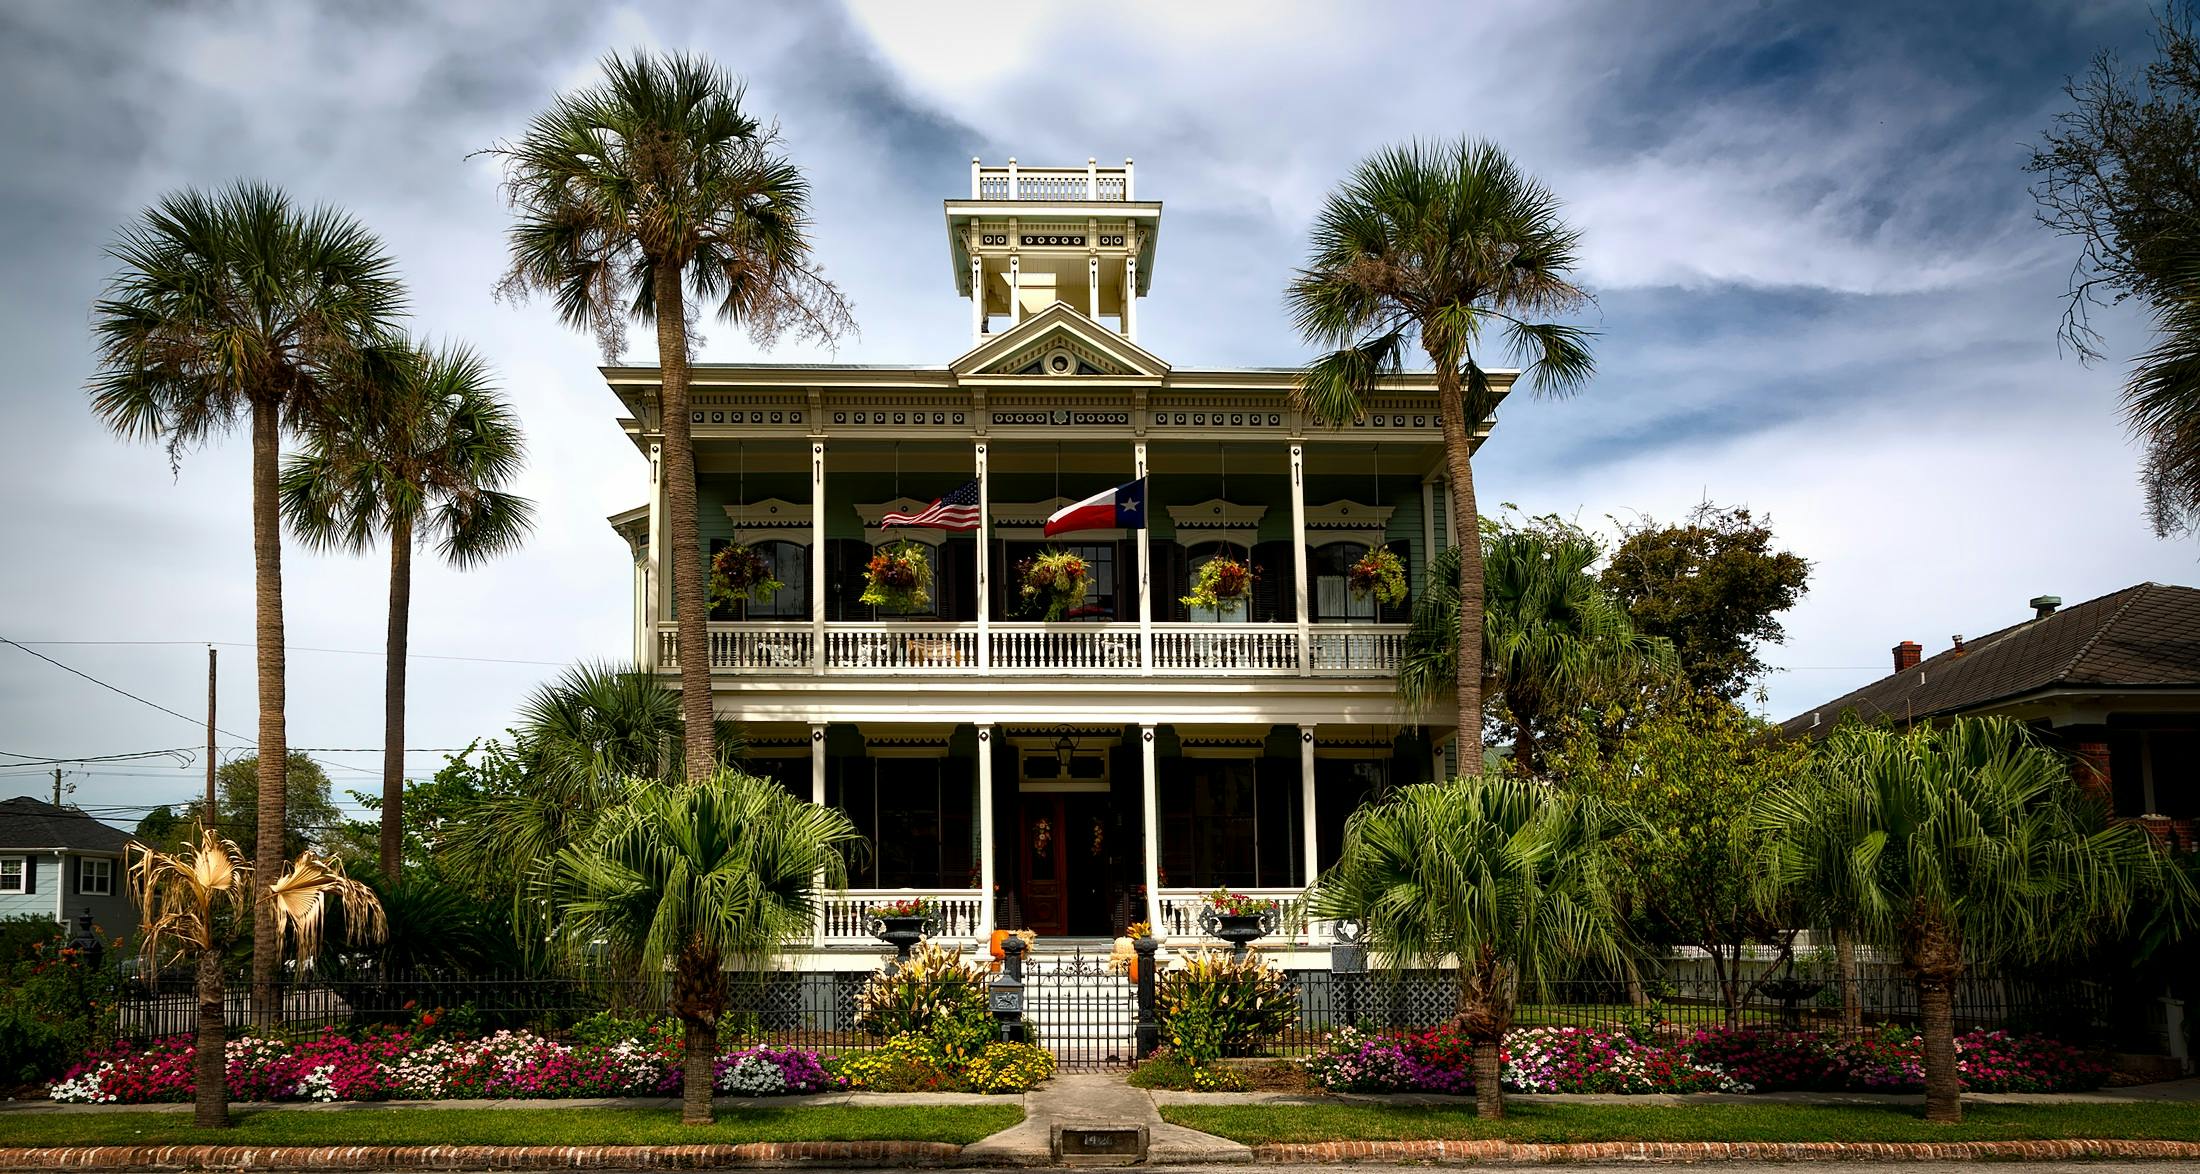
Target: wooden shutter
[30, 874]
[845, 559]
[955, 577]
[1171, 579]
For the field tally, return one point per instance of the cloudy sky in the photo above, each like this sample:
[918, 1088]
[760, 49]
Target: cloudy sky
[1820, 289]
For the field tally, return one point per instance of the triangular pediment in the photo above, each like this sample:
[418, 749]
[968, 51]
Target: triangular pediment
[1060, 342]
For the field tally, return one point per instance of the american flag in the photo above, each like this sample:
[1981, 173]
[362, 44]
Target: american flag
[957, 509]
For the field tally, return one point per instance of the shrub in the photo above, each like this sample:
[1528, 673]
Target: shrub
[1219, 1005]
[1353, 1061]
[50, 1006]
[1770, 1061]
[1008, 1067]
[753, 1076]
[1580, 1059]
[606, 1028]
[936, 995]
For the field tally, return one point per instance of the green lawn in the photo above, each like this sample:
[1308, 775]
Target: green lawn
[1256, 1124]
[424, 1125]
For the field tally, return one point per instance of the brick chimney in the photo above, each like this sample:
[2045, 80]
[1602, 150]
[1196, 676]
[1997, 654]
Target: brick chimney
[1907, 654]
[1955, 645]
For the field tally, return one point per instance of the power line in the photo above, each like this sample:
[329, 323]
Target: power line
[113, 688]
[409, 654]
[185, 752]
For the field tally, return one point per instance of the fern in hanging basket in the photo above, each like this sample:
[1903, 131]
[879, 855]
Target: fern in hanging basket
[1379, 573]
[898, 578]
[1054, 581]
[1222, 584]
[741, 574]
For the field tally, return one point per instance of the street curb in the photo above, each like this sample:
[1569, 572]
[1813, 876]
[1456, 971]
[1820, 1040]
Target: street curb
[480, 1157]
[1533, 1153]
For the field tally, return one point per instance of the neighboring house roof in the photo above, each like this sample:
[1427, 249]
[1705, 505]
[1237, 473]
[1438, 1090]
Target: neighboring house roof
[2142, 637]
[33, 825]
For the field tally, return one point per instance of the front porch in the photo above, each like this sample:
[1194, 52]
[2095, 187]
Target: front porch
[1076, 831]
[928, 648]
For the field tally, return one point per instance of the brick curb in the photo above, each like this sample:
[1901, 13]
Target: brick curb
[1531, 1153]
[480, 1157]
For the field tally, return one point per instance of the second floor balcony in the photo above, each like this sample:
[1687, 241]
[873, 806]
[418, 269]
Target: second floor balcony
[939, 648]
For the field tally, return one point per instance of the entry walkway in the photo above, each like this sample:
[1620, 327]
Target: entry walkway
[1097, 1099]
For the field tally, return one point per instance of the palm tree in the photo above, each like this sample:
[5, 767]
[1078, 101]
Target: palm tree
[419, 452]
[191, 900]
[676, 883]
[581, 739]
[1501, 878]
[231, 304]
[629, 196]
[1551, 633]
[1949, 847]
[1442, 243]
[2162, 397]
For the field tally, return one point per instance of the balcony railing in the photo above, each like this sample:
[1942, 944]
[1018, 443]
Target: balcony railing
[1051, 184]
[917, 648]
[844, 919]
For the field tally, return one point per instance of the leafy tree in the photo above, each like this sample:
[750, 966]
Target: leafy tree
[580, 741]
[1444, 243]
[675, 882]
[1714, 587]
[2120, 172]
[193, 901]
[1948, 847]
[229, 304]
[1502, 878]
[1688, 773]
[629, 197]
[1551, 633]
[419, 452]
[311, 818]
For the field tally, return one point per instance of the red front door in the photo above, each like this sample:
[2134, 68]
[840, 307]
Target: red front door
[1041, 870]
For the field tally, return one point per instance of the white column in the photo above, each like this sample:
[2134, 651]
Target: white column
[1310, 843]
[817, 557]
[1092, 179]
[1298, 556]
[1130, 292]
[973, 177]
[1152, 792]
[817, 796]
[977, 298]
[1012, 192]
[1015, 288]
[1127, 177]
[660, 587]
[987, 874]
[985, 594]
[1092, 287]
[1428, 525]
[1145, 569]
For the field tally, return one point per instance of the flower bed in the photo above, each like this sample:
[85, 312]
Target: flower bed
[401, 1064]
[1573, 1059]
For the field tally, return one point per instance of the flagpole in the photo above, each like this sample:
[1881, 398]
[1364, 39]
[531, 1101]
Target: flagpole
[985, 594]
[1145, 570]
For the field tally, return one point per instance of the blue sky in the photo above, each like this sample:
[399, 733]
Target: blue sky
[1820, 292]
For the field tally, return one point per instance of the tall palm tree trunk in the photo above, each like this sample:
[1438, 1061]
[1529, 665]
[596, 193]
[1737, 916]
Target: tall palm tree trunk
[1851, 979]
[393, 699]
[1489, 1088]
[267, 565]
[209, 1080]
[697, 998]
[1936, 1013]
[684, 560]
[1459, 462]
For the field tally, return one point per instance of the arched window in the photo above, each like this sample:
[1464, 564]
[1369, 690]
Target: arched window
[791, 566]
[1330, 566]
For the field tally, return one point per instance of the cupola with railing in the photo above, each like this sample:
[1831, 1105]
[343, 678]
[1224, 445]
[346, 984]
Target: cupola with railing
[1029, 237]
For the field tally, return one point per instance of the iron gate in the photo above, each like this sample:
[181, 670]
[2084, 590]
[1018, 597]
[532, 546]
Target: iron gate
[1083, 1009]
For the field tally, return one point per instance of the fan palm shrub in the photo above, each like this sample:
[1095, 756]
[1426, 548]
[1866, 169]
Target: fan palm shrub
[418, 452]
[235, 305]
[1952, 847]
[1551, 634]
[1500, 879]
[194, 901]
[1449, 245]
[631, 196]
[678, 882]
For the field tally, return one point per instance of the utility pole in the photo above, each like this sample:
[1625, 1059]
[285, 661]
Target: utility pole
[57, 786]
[209, 809]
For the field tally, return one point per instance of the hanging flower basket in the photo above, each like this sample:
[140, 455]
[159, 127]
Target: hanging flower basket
[898, 579]
[1381, 574]
[1222, 584]
[741, 574]
[1054, 582]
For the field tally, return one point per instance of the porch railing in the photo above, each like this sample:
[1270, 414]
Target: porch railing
[920, 648]
[901, 648]
[844, 919]
[1180, 910]
[1055, 184]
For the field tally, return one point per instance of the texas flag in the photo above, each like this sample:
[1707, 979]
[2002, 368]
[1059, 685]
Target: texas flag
[1120, 508]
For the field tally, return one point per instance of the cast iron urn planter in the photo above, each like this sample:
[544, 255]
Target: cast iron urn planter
[900, 932]
[1238, 929]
